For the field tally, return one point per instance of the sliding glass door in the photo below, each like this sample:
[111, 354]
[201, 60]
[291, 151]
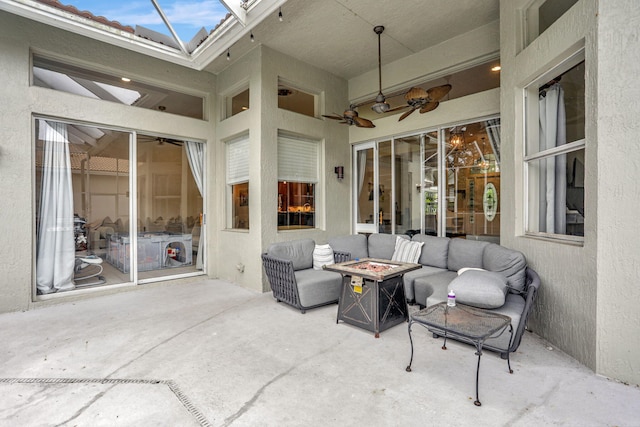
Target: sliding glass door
[444, 182]
[85, 202]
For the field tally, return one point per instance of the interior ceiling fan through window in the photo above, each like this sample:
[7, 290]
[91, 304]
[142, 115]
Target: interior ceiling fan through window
[160, 140]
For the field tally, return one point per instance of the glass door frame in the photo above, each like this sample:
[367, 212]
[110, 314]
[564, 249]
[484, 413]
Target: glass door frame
[360, 227]
[442, 175]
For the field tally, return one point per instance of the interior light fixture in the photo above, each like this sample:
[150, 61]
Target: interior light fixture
[496, 68]
[280, 14]
[456, 137]
[228, 55]
[125, 79]
[380, 106]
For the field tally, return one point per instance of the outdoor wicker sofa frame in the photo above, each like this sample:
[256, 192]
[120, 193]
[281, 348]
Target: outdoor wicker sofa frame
[283, 283]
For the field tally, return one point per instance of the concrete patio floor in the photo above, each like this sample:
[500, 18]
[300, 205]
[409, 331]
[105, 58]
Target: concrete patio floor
[212, 353]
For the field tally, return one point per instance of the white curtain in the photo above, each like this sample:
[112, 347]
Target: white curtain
[195, 154]
[55, 258]
[553, 177]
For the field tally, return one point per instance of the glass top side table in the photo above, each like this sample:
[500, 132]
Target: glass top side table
[468, 324]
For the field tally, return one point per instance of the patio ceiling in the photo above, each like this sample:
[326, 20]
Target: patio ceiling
[334, 35]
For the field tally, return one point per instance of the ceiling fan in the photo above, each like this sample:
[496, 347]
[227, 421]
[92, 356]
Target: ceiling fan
[160, 140]
[425, 100]
[350, 117]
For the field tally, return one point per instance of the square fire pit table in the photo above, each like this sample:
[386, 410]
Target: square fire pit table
[372, 295]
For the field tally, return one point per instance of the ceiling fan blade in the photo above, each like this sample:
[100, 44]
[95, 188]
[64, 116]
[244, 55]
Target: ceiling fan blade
[438, 92]
[363, 123]
[429, 106]
[402, 107]
[405, 115]
[335, 117]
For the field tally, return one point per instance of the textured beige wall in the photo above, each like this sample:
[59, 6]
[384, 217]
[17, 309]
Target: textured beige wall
[587, 301]
[618, 190]
[565, 311]
[21, 101]
[261, 68]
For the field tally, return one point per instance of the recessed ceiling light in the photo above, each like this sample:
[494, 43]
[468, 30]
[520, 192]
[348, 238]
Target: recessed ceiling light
[126, 79]
[496, 68]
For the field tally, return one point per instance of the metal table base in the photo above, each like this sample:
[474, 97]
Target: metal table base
[464, 323]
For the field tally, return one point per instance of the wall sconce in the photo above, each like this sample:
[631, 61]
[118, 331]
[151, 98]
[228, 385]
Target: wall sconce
[339, 170]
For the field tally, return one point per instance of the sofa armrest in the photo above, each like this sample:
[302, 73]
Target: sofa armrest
[339, 256]
[281, 279]
[530, 291]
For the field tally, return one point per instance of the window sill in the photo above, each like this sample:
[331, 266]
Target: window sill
[557, 238]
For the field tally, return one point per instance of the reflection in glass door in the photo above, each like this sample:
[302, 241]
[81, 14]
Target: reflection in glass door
[169, 206]
[408, 184]
[473, 180]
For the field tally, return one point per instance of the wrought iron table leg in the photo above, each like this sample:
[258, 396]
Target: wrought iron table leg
[479, 353]
[508, 352]
[411, 341]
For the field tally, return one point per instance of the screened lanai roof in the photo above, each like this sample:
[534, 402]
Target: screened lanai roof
[169, 22]
[176, 30]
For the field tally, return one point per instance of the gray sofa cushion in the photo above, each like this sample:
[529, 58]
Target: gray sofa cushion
[482, 289]
[513, 307]
[510, 263]
[355, 244]
[300, 252]
[434, 251]
[410, 277]
[465, 253]
[383, 245]
[433, 289]
[318, 287]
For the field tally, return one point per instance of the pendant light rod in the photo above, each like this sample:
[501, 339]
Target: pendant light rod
[378, 30]
[380, 106]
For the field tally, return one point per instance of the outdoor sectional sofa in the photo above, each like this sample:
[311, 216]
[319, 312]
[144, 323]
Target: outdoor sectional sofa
[497, 278]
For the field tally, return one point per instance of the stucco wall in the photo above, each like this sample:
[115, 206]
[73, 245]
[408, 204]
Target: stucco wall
[618, 190]
[261, 68]
[20, 102]
[586, 305]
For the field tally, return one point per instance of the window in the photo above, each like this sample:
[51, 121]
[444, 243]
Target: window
[542, 14]
[296, 100]
[297, 179]
[238, 183]
[237, 101]
[555, 150]
[63, 77]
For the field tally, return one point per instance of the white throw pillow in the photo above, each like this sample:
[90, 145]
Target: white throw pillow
[407, 251]
[322, 255]
[462, 270]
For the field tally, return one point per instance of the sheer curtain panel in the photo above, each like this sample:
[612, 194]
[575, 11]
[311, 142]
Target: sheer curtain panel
[55, 257]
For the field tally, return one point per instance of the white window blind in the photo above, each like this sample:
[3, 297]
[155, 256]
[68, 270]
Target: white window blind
[238, 160]
[297, 159]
